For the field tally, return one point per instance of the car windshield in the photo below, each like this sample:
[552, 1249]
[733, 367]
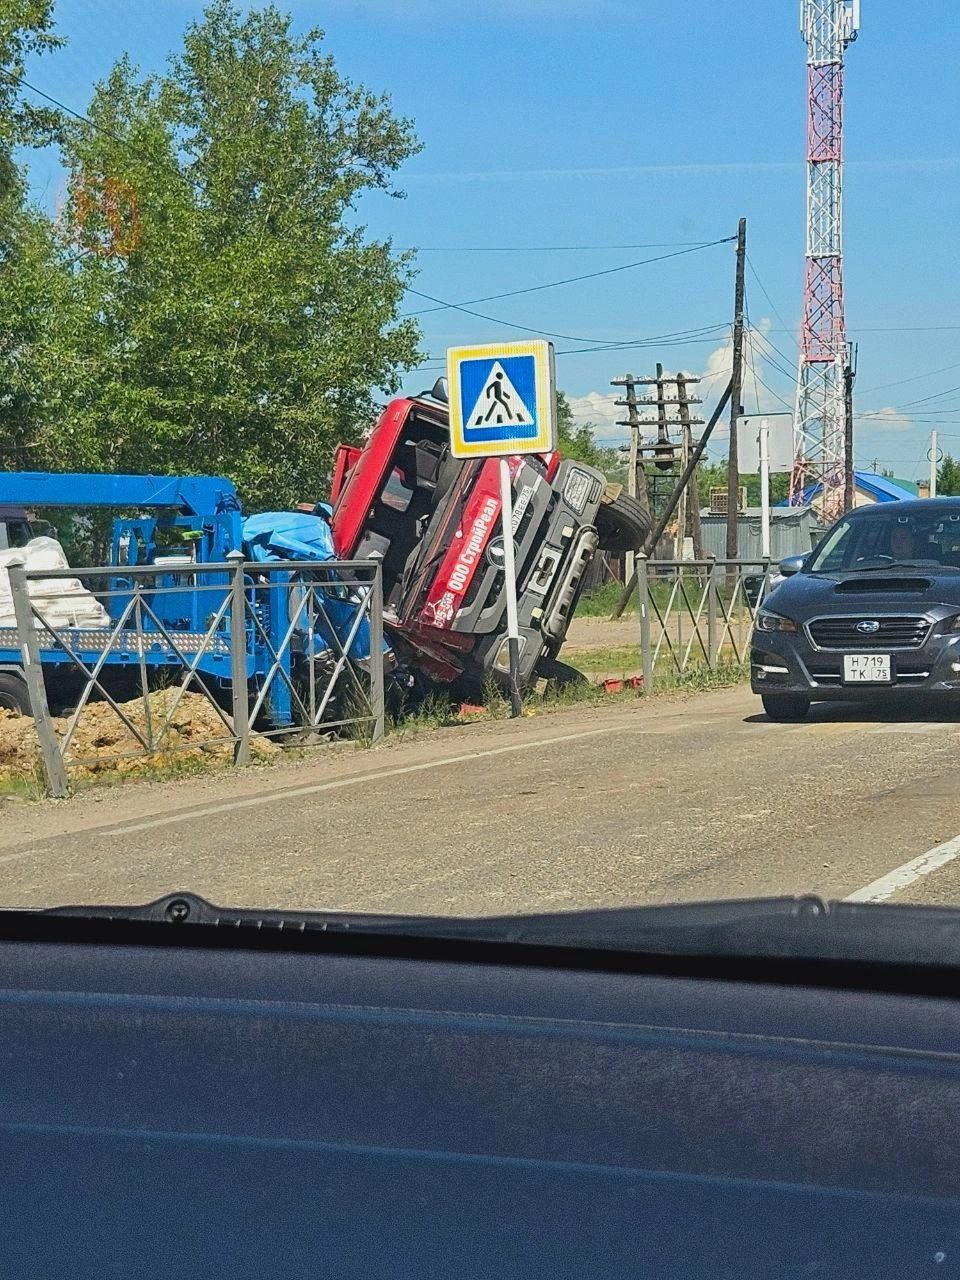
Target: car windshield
[436, 481]
[928, 537]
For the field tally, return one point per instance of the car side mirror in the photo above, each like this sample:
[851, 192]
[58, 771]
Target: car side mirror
[791, 565]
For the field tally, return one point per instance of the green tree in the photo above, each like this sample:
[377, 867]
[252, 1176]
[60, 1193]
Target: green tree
[33, 274]
[234, 316]
[714, 475]
[948, 477]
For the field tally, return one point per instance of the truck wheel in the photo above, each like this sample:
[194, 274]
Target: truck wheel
[13, 694]
[785, 707]
[622, 524]
[560, 674]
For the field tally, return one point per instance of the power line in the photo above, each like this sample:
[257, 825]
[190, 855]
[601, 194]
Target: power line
[917, 377]
[773, 305]
[107, 133]
[787, 368]
[553, 284]
[776, 397]
[557, 248]
[673, 339]
[937, 395]
[752, 355]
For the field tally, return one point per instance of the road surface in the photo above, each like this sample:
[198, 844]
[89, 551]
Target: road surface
[676, 798]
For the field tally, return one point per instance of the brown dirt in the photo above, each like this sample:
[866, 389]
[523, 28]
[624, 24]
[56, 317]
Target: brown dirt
[104, 743]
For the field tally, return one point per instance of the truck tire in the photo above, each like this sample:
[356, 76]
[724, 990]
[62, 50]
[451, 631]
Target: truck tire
[622, 524]
[785, 707]
[13, 694]
[560, 674]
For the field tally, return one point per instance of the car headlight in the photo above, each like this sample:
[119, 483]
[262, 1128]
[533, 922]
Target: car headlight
[767, 621]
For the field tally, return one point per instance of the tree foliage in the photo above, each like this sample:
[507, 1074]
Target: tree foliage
[713, 475]
[31, 276]
[948, 477]
[224, 312]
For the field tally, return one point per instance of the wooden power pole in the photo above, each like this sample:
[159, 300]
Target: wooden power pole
[693, 489]
[636, 472]
[736, 382]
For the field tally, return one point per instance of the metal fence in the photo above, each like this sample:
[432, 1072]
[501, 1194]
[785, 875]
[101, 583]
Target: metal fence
[275, 649]
[697, 614]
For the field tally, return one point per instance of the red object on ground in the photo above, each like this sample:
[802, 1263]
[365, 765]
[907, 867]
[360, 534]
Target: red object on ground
[612, 686]
[471, 709]
[636, 682]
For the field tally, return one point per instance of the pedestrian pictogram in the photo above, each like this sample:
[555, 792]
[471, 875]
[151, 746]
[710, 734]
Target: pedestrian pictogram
[499, 402]
[501, 399]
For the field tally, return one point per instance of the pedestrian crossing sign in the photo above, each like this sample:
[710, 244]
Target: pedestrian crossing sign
[502, 399]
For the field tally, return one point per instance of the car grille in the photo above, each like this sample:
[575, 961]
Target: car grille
[901, 632]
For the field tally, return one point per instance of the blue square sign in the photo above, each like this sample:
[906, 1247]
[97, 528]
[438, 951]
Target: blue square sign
[502, 399]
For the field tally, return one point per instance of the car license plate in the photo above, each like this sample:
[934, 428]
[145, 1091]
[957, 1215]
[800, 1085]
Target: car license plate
[866, 668]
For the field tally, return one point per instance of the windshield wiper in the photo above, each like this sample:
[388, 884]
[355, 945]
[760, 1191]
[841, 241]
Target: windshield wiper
[793, 928]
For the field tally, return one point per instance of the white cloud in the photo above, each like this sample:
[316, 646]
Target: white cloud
[601, 412]
[885, 420]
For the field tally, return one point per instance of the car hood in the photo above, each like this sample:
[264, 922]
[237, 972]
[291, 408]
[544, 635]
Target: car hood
[889, 590]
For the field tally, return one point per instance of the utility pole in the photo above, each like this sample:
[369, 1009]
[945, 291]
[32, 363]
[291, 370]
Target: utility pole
[693, 489]
[932, 455]
[849, 376]
[636, 472]
[736, 383]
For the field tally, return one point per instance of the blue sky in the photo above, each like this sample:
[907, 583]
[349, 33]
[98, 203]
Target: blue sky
[646, 123]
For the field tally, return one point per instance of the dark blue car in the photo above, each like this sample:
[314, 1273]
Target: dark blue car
[873, 611]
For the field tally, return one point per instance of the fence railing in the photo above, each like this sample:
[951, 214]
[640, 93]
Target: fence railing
[272, 649]
[697, 613]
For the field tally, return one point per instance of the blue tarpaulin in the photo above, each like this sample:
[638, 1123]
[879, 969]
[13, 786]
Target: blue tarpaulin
[294, 535]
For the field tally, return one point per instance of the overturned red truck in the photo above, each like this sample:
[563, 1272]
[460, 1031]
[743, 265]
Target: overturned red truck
[435, 522]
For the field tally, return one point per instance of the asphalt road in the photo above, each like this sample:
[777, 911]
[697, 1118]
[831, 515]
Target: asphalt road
[674, 799]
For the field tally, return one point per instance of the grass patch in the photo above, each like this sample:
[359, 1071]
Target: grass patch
[602, 602]
[622, 659]
[23, 788]
[700, 678]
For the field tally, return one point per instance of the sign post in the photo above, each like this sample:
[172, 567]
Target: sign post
[510, 582]
[502, 404]
[764, 442]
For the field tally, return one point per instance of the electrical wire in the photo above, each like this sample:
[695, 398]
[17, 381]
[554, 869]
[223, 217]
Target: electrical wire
[557, 248]
[555, 284]
[752, 354]
[787, 368]
[681, 337]
[107, 133]
[917, 377]
[773, 305]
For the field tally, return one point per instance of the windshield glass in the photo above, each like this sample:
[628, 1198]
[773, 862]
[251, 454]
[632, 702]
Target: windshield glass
[409, 447]
[929, 537]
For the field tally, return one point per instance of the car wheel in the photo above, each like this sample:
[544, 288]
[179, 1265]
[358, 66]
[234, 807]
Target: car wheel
[13, 694]
[785, 706]
[622, 524]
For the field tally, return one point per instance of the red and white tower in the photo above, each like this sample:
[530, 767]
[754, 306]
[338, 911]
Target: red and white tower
[827, 26]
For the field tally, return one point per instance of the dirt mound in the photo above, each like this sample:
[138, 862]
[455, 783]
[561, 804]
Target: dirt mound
[102, 742]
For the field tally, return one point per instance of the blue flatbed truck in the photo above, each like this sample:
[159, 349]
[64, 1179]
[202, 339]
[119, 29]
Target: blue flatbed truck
[199, 515]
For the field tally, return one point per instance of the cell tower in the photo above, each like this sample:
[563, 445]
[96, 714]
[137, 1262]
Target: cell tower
[828, 26]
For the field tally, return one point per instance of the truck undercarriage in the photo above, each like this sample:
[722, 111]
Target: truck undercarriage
[434, 520]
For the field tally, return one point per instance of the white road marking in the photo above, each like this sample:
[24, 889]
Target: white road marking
[884, 888]
[336, 784]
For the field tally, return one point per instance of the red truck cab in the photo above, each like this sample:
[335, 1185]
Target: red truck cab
[435, 522]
